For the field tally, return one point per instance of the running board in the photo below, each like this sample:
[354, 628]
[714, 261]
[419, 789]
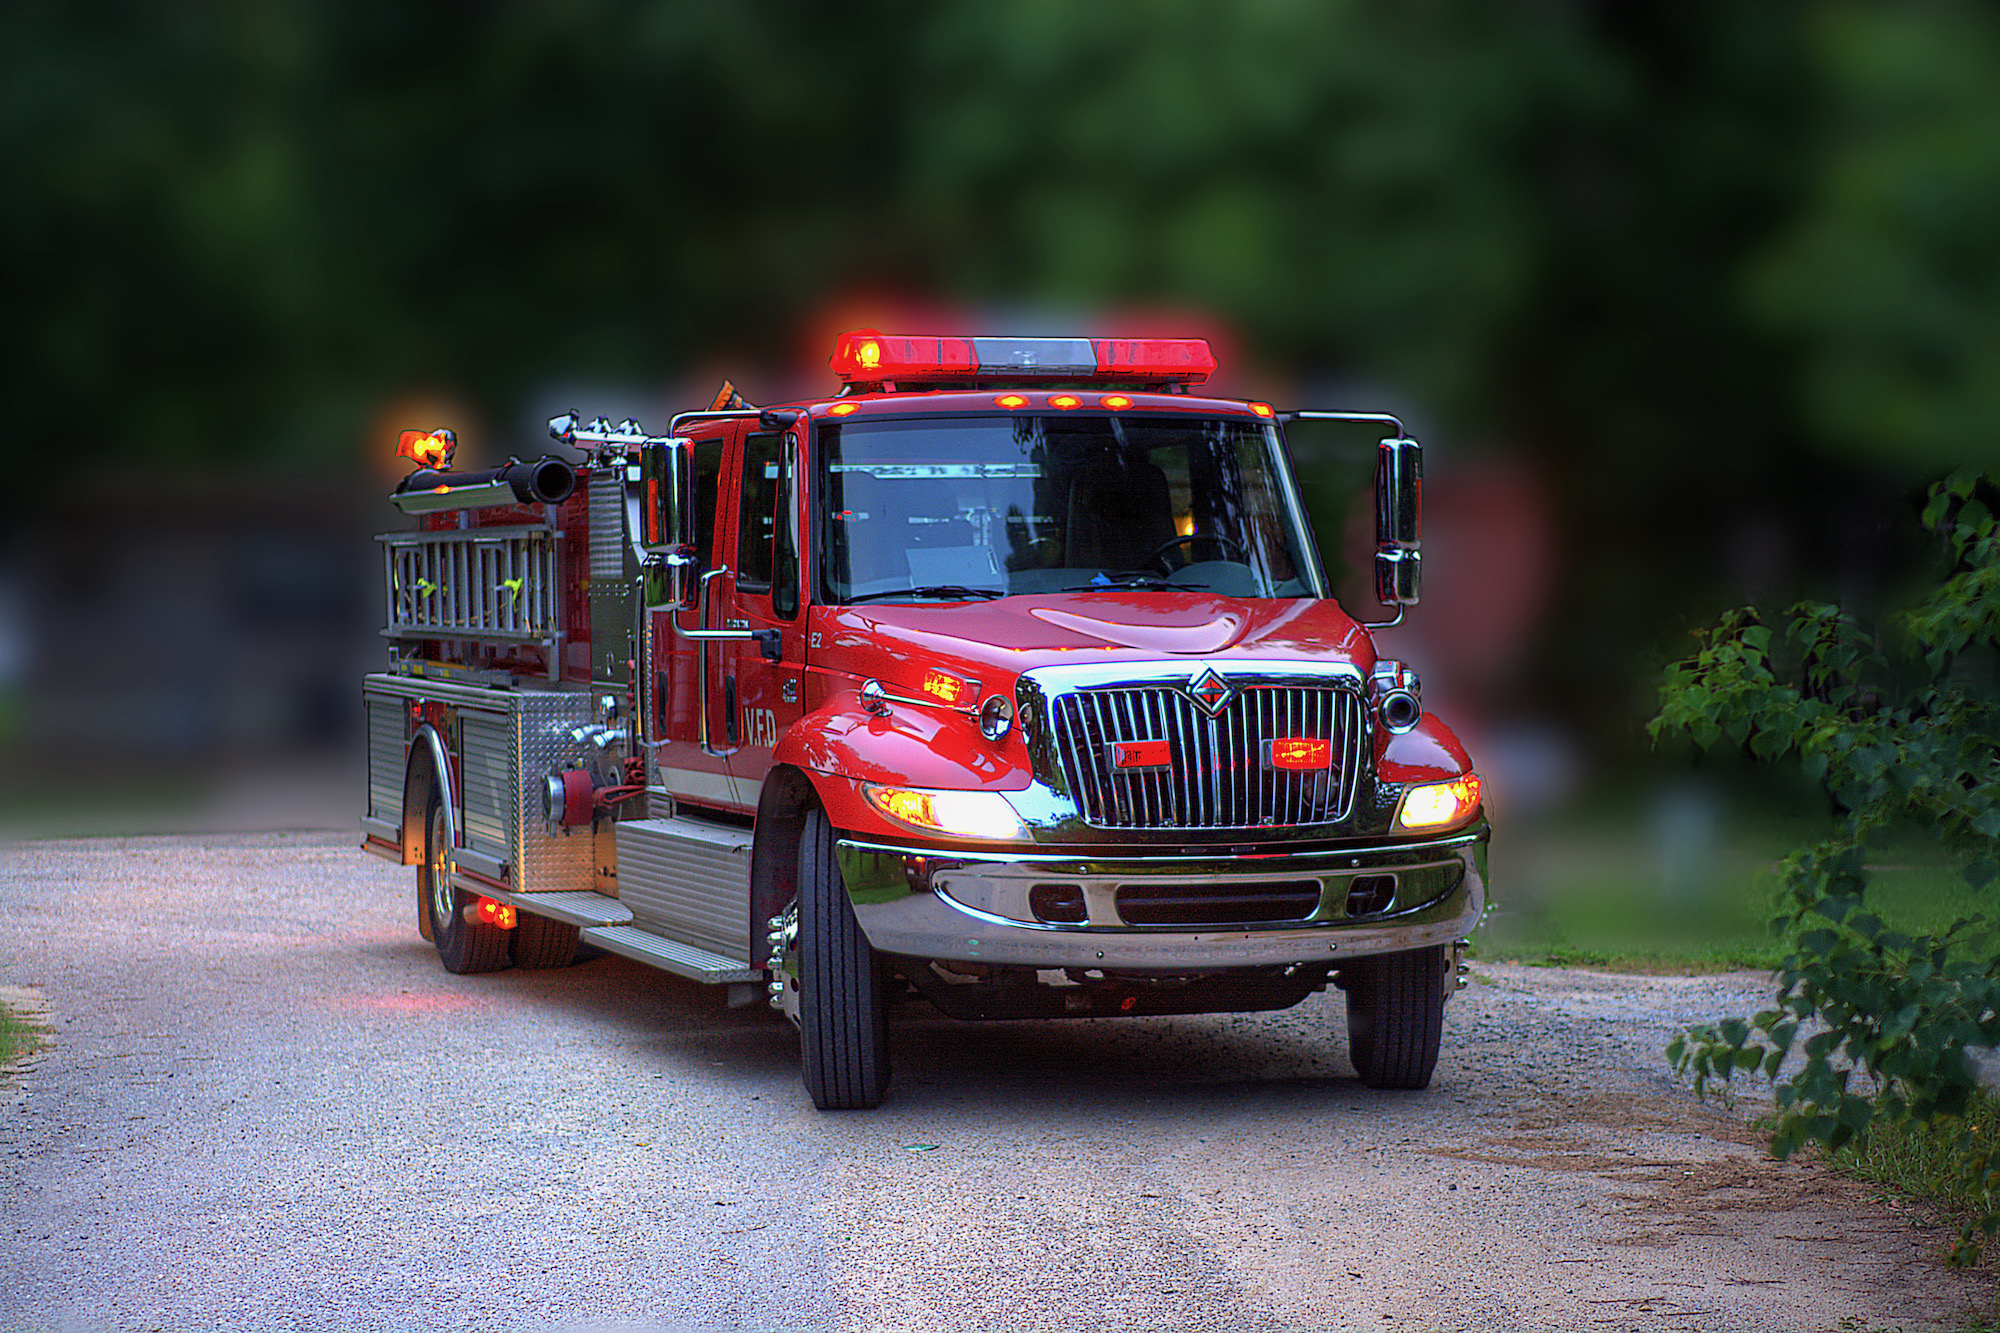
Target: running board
[577, 907]
[682, 960]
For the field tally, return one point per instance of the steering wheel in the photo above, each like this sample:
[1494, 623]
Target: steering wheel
[1229, 543]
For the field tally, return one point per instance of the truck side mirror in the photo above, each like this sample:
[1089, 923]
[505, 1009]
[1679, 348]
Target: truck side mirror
[1399, 517]
[667, 520]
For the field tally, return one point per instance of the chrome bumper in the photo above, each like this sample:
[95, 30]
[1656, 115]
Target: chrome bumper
[923, 903]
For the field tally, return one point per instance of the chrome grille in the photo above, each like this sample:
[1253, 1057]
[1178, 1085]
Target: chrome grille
[1218, 776]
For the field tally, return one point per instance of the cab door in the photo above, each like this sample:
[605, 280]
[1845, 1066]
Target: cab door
[761, 677]
[690, 752]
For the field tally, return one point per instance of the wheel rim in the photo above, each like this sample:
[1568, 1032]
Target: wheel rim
[439, 858]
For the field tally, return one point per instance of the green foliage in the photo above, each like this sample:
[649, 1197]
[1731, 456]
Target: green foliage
[1886, 278]
[1922, 1160]
[1871, 1023]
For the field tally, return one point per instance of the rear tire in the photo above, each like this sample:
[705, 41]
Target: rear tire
[463, 946]
[1395, 1017]
[843, 1023]
[541, 942]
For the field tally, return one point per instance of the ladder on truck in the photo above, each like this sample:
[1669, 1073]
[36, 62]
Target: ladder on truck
[492, 585]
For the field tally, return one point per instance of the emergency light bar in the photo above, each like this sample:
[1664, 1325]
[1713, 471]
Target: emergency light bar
[867, 357]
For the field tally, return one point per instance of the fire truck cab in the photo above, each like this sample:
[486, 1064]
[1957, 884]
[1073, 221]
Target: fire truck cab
[1006, 678]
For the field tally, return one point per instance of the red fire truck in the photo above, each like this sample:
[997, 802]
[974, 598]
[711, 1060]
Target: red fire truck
[1006, 678]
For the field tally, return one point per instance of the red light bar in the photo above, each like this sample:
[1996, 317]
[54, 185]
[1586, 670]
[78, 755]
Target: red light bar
[868, 356]
[1301, 754]
[864, 354]
[1182, 360]
[1142, 754]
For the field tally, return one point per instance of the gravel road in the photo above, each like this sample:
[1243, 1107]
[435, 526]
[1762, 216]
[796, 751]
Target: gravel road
[267, 1107]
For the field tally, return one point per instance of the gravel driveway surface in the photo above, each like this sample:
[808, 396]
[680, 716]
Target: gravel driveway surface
[267, 1107]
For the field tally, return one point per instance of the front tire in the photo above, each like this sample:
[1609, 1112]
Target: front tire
[843, 1023]
[463, 946]
[1395, 1017]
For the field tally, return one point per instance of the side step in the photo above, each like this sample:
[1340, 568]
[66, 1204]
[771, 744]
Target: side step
[669, 955]
[578, 907]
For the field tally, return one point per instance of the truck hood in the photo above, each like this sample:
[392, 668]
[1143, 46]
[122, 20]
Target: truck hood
[996, 641]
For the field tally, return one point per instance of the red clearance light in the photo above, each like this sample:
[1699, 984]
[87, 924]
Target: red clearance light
[1182, 360]
[949, 689]
[864, 354]
[1065, 401]
[842, 409]
[1301, 753]
[1114, 401]
[1264, 409]
[1142, 754]
[492, 913]
[1010, 401]
[869, 356]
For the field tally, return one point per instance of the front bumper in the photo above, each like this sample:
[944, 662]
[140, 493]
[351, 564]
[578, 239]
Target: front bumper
[922, 903]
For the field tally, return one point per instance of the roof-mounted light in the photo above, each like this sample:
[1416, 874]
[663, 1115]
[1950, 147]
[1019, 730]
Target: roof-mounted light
[427, 448]
[867, 356]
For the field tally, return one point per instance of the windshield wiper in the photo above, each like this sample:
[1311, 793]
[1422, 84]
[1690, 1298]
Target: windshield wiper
[1134, 580]
[952, 591]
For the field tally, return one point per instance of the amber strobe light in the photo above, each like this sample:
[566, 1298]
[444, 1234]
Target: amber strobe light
[427, 448]
[949, 689]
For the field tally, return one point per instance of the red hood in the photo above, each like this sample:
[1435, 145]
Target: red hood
[996, 641]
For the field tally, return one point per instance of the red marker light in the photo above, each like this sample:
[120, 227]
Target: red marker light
[1301, 754]
[1011, 401]
[1114, 401]
[1264, 409]
[1142, 754]
[1065, 401]
[842, 409]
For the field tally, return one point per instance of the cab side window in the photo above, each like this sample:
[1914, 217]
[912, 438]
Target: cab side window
[766, 547]
[707, 475]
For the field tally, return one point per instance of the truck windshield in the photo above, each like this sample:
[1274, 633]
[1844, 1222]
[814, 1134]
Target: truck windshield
[943, 508]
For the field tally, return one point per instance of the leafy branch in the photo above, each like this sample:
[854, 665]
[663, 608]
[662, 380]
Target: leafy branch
[1870, 1025]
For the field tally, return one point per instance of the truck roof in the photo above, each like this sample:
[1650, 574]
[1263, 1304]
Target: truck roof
[1001, 399]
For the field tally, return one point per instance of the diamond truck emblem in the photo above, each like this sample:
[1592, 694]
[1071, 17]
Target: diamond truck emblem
[1211, 691]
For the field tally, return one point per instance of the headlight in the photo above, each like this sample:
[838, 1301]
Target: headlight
[957, 814]
[1439, 804]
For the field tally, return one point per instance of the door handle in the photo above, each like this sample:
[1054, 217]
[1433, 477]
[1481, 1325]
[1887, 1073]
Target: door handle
[770, 644]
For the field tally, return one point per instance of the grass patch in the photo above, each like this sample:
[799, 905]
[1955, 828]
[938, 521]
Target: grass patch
[1602, 889]
[20, 1034]
[1924, 1163]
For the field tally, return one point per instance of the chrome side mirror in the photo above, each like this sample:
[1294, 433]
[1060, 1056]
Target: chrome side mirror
[1399, 518]
[667, 521]
[666, 506]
